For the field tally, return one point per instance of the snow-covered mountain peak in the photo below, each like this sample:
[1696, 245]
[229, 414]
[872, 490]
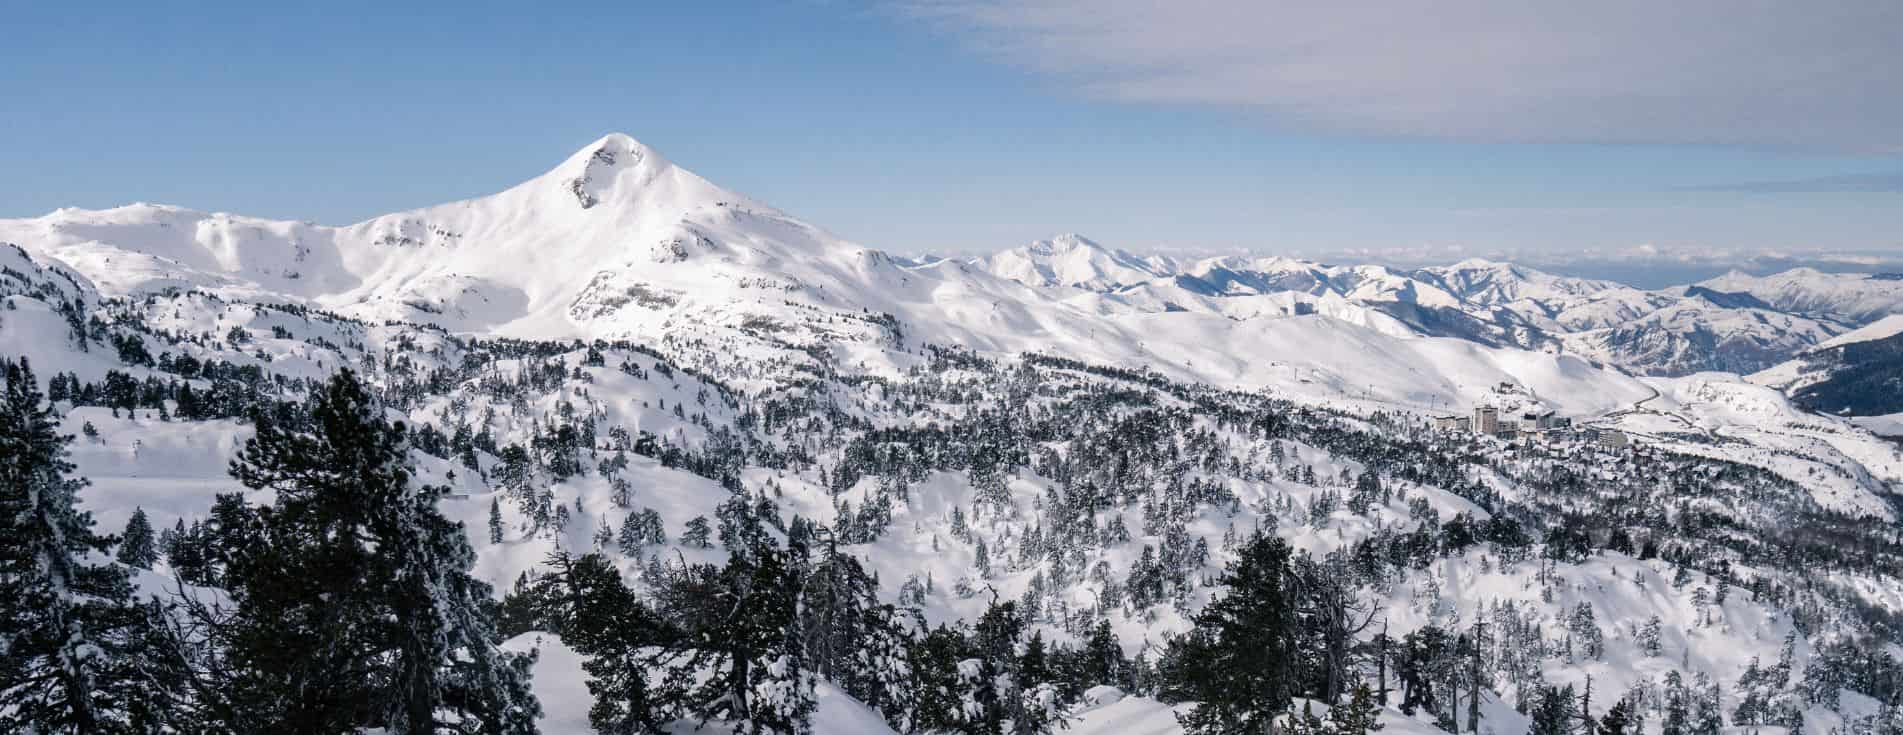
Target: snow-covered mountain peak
[1854, 297]
[1066, 243]
[618, 170]
[1484, 264]
[1075, 260]
[1489, 282]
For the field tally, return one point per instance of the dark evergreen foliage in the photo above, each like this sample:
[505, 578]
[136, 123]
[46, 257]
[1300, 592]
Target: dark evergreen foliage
[1241, 662]
[78, 654]
[353, 606]
[137, 546]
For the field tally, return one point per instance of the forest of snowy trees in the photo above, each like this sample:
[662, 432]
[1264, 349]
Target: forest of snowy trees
[347, 604]
[1245, 557]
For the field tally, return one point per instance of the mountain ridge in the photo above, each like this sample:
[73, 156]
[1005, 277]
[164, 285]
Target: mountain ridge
[618, 345]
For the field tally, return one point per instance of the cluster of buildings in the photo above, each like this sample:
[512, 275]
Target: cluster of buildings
[1488, 420]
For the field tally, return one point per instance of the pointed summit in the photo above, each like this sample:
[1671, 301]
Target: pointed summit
[604, 166]
[618, 150]
[1074, 260]
[1064, 243]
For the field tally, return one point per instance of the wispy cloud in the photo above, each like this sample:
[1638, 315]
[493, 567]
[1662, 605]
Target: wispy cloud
[1759, 72]
[1850, 183]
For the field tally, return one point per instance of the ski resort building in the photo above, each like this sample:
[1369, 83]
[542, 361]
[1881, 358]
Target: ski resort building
[1486, 420]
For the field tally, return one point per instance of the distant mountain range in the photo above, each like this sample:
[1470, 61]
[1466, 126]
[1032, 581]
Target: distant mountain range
[1734, 323]
[616, 241]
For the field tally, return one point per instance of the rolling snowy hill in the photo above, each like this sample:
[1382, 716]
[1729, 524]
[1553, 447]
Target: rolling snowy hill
[1853, 297]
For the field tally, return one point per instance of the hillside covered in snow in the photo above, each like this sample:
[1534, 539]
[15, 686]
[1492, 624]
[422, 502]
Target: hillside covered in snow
[699, 463]
[1719, 325]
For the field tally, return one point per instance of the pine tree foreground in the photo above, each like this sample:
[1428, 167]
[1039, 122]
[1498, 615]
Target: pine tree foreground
[353, 607]
[78, 654]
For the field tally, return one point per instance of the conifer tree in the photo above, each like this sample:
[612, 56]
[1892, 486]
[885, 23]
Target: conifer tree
[603, 620]
[853, 640]
[1617, 720]
[495, 520]
[1103, 661]
[632, 535]
[739, 655]
[1359, 715]
[1000, 690]
[1707, 718]
[934, 660]
[1651, 637]
[137, 547]
[698, 534]
[1677, 715]
[1554, 711]
[77, 653]
[1239, 662]
[355, 607]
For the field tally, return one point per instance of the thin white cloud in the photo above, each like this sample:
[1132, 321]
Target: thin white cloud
[1851, 183]
[1818, 74]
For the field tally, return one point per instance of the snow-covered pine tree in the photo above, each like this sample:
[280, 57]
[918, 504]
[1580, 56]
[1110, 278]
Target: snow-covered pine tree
[1585, 632]
[356, 606]
[1617, 721]
[881, 670]
[1676, 716]
[937, 683]
[621, 638]
[998, 690]
[697, 534]
[137, 546]
[632, 537]
[1651, 637]
[603, 535]
[739, 657]
[1359, 715]
[852, 639]
[1554, 711]
[651, 528]
[1239, 662]
[1102, 659]
[1707, 717]
[77, 653]
[833, 610]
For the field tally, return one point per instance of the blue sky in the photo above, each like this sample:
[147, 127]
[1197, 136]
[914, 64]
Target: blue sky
[952, 125]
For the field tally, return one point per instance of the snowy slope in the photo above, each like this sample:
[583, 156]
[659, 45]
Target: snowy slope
[1665, 332]
[777, 317]
[617, 242]
[1074, 260]
[1842, 465]
[1887, 326]
[1853, 297]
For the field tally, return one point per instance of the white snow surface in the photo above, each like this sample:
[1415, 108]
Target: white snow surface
[617, 242]
[1888, 326]
[1859, 297]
